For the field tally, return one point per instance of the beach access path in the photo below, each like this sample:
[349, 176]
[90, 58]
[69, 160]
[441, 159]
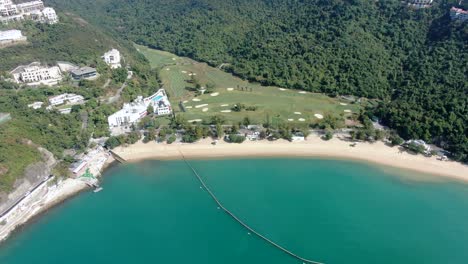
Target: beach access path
[313, 146]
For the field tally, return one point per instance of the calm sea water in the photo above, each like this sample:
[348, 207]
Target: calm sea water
[325, 210]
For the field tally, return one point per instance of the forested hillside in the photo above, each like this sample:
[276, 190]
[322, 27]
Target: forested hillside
[414, 60]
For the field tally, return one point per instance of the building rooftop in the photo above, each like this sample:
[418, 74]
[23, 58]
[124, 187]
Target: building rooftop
[83, 71]
[10, 34]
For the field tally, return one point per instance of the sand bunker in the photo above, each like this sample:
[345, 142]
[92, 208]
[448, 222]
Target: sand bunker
[173, 58]
[184, 71]
[319, 116]
[188, 107]
[205, 109]
[185, 102]
[167, 69]
[196, 100]
[200, 106]
[214, 94]
[230, 89]
[297, 113]
[224, 105]
[302, 92]
[226, 111]
[301, 120]
[282, 89]
[195, 120]
[290, 120]
[343, 104]
[348, 111]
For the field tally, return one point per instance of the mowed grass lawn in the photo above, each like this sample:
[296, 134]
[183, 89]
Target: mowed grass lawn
[279, 104]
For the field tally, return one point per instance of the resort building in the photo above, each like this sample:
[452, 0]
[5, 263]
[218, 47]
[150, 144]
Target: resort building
[36, 105]
[112, 58]
[131, 113]
[420, 3]
[458, 14]
[69, 99]
[33, 10]
[160, 103]
[87, 73]
[35, 74]
[11, 36]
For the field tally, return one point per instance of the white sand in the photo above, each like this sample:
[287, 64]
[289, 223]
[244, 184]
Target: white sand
[226, 111]
[301, 120]
[183, 71]
[196, 100]
[174, 59]
[224, 105]
[230, 89]
[188, 107]
[302, 92]
[167, 69]
[195, 120]
[214, 94]
[290, 119]
[319, 116]
[376, 152]
[348, 111]
[281, 89]
[297, 113]
[343, 104]
[205, 109]
[200, 106]
[185, 102]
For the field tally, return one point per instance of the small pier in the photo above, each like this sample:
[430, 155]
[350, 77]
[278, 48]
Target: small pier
[304, 260]
[117, 157]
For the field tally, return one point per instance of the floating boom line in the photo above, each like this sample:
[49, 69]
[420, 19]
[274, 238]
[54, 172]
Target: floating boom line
[240, 221]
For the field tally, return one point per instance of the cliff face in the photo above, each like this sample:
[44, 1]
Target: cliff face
[33, 174]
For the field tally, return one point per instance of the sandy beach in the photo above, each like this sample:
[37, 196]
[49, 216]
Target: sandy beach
[314, 146]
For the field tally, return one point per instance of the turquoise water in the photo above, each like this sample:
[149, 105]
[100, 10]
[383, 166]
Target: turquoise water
[325, 210]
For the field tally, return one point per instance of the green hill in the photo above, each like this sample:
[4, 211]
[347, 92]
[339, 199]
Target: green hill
[414, 60]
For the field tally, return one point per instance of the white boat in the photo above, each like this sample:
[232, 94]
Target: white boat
[98, 189]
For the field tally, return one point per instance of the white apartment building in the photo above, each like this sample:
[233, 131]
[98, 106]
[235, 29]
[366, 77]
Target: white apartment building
[112, 58]
[131, 113]
[458, 14]
[33, 10]
[35, 74]
[11, 36]
[66, 98]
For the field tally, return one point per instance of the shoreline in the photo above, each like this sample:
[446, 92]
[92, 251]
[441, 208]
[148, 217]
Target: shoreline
[376, 153]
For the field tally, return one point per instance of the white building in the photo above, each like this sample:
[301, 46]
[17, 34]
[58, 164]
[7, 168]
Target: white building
[112, 58]
[36, 105]
[131, 113]
[11, 36]
[33, 10]
[160, 103]
[458, 14]
[420, 3]
[35, 74]
[66, 98]
[49, 15]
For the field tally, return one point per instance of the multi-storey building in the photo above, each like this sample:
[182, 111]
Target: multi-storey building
[420, 3]
[35, 74]
[33, 10]
[112, 58]
[10, 36]
[66, 98]
[131, 113]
